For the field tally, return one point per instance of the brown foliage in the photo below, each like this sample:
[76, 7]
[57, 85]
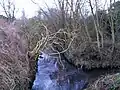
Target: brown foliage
[14, 67]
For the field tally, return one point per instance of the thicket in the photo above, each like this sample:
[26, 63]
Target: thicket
[92, 38]
[84, 32]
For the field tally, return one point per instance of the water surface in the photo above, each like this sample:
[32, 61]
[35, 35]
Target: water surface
[50, 77]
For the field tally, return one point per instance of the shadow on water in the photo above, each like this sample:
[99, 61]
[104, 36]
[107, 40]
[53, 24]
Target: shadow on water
[50, 77]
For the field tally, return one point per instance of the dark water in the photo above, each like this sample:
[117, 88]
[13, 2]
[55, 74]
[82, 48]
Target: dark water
[50, 77]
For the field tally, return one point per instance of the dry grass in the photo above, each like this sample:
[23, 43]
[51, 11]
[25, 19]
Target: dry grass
[14, 67]
[108, 82]
[18, 64]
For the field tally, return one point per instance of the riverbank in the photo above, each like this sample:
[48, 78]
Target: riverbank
[108, 82]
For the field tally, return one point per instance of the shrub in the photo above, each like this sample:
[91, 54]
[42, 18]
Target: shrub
[14, 66]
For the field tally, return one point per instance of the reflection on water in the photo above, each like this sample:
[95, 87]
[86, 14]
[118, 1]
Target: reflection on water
[49, 77]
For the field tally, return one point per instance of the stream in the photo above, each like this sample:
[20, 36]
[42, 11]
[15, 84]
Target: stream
[50, 77]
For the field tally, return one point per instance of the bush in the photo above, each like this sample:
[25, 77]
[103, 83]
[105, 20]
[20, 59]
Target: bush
[14, 67]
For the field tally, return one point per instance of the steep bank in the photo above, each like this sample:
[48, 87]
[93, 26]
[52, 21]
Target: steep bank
[89, 57]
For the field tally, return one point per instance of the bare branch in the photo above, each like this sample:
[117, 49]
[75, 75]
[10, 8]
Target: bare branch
[9, 9]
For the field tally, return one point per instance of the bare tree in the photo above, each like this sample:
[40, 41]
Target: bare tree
[112, 23]
[45, 42]
[9, 9]
[79, 11]
[95, 24]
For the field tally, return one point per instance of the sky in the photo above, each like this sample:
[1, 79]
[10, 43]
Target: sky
[30, 8]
